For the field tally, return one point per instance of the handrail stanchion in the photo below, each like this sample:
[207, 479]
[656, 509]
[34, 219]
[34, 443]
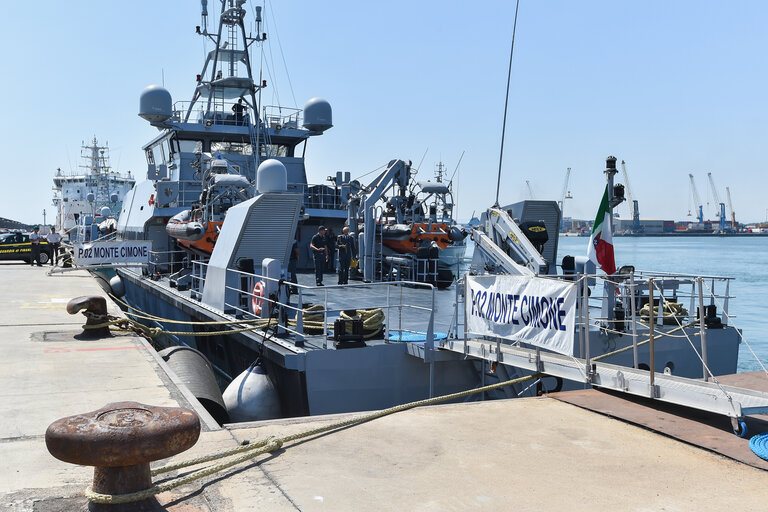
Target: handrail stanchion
[634, 316]
[386, 324]
[651, 327]
[300, 314]
[724, 316]
[430, 345]
[702, 332]
[585, 313]
[325, 319]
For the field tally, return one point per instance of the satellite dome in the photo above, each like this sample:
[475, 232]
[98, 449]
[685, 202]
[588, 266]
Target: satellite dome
[105, 211]
[90, 197]
[113, 197]
[271, 176]
[155, 104]
[317, 115]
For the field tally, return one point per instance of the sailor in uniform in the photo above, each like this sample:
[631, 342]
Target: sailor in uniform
[54, 239]
[320, 254]
[346, 245]
[34, 239]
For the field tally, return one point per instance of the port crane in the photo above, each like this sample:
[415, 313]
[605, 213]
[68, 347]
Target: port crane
[696, 201]
[721, 213]
[730, 208]
[530, 189]
[565, 194]
[636, 227]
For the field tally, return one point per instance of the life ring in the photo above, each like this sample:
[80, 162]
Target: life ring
[258, 297]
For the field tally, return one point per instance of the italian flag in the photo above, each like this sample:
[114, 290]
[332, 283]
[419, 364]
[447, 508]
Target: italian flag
[601, 241]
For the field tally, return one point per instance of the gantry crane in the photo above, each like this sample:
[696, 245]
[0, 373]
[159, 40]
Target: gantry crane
[730, 208]
[721, 213]
[696, 201]
[636, 227]
[565, 194]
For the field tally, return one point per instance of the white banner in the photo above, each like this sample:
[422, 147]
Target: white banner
[529, 309]
[103, 253]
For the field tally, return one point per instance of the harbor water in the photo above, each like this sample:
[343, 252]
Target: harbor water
[743, 258]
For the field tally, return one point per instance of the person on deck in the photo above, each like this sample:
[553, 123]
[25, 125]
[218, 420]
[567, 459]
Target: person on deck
[320, 253]
[293, 263]
[346, 245]
[330, 244]
[34, 239]
[238, 109]
[54, 239]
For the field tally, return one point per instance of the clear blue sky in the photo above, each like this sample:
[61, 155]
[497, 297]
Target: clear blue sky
[670, 87]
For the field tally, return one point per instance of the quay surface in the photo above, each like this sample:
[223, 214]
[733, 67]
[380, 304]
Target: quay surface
[528, 454]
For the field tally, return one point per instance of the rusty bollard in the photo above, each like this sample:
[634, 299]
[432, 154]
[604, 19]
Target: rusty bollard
[96, 313]
[120, 440]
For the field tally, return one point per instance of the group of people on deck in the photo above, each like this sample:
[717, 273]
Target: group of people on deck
[324, 244]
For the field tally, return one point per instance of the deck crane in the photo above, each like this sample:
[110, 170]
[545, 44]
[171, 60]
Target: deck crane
[721, 213]
[565, 194]
[636, 227]
[730, 208]
[696, 201]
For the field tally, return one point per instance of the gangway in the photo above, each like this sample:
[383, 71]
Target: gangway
[729, 401]
[622, 368]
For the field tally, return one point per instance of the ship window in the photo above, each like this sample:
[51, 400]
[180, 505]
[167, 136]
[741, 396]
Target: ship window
[150, 157]
[157, 153]
[237, 148]
[190, 146]
[275, 150]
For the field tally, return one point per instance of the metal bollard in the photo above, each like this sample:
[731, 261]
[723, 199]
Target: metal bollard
[120, 440]
[95, 310]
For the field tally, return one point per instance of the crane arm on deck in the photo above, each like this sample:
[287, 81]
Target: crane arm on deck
[504, 232]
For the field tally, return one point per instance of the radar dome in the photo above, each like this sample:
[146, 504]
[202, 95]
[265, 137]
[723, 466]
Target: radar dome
[271, 176]
[90, 197]
[105, 211]
[155, 104]
[113, 197]
[317, 115]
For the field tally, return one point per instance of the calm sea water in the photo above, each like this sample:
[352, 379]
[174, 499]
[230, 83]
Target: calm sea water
[743, 258]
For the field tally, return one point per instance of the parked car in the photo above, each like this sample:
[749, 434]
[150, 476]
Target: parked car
[16, 246]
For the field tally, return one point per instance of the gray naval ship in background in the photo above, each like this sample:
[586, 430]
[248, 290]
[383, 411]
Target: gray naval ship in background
[225, 197]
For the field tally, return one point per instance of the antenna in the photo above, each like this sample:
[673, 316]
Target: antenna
[506, 103]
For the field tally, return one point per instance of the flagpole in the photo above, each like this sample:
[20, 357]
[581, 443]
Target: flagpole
[609, 304]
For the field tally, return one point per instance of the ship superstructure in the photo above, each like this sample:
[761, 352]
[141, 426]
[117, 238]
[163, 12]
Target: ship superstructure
[86, 193]
[226, 121]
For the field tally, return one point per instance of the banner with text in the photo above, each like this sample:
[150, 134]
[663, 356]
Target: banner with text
[529, 309]
[104, 253]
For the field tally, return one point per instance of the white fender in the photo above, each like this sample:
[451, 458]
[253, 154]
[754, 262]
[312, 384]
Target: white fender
[251, 396]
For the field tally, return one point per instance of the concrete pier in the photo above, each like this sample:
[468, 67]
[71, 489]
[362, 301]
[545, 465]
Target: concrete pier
[526, 454]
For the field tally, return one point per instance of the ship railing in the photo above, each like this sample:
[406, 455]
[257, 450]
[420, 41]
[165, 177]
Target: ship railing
[399, 315]
[279, 117]
[649, 307]
[320, 196]
[164, 263]
[213, 116]
[629, 314]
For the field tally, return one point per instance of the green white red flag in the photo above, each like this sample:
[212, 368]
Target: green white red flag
[601, 241]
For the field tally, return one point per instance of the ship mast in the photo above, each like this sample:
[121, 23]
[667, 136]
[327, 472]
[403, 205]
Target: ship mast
[219, 80]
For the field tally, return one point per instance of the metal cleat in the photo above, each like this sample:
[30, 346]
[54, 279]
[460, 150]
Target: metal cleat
[120, 440]
[94, 308]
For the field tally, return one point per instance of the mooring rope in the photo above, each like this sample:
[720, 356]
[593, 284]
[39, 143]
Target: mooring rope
[272, 444]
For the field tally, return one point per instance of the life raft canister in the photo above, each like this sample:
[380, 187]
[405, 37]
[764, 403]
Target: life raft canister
[258, 297]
